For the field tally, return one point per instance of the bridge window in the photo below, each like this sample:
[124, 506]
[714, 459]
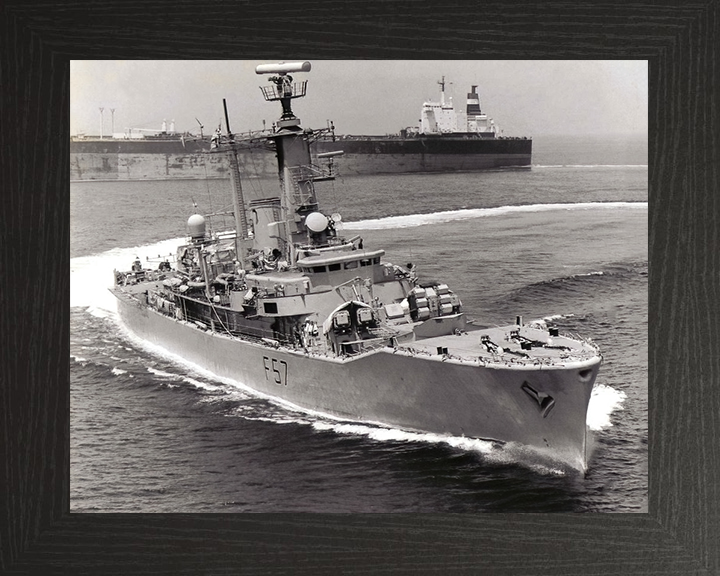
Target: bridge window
[350, 265]
[333, 267]
[318, 269]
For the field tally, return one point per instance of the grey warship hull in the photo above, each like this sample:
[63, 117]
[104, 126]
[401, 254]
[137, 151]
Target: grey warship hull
[407, 387]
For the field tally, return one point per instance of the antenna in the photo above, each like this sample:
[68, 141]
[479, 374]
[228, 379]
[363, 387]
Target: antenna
[283, 68]
[227, 120]
[284, 89]
[241, 225]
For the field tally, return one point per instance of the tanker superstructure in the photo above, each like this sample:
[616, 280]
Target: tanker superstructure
[446, 139]
[288, 307]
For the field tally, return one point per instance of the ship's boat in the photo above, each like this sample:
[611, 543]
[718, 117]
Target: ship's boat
[290, 308]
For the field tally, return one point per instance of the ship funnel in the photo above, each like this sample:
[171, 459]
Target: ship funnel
[283, 68]
[473, 102]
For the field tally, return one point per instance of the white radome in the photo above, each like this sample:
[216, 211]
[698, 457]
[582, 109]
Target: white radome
[316, 221]
[196, 225]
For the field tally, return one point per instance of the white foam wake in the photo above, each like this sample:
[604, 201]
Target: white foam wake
[188, 379]
[603, 402]
[491, 452]
[589, 165]
[91, 276]
[411, 220]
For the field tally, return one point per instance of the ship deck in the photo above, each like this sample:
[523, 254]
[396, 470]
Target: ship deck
[541, 349]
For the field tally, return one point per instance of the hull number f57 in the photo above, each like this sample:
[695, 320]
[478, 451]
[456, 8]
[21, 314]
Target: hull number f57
[275, 370]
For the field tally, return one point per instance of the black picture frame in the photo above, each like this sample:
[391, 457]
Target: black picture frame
[678, 535]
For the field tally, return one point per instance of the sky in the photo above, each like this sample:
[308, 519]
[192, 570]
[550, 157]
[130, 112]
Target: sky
[524, 97]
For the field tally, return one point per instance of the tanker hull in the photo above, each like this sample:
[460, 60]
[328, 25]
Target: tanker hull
[171, 160]
[383, 155]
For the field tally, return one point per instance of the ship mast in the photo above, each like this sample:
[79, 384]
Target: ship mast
[241, 226]
[295, 170]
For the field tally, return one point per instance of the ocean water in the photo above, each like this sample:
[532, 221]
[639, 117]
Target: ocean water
[566, 239]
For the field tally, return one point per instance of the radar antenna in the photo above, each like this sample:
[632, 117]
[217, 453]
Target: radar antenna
[284, 90]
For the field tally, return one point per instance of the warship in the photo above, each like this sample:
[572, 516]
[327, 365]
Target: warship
[289, 307]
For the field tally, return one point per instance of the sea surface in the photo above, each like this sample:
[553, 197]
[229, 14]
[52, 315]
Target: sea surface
[566, 240]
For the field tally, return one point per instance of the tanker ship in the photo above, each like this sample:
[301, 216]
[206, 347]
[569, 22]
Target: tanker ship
[445, 140]
[290, 308]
